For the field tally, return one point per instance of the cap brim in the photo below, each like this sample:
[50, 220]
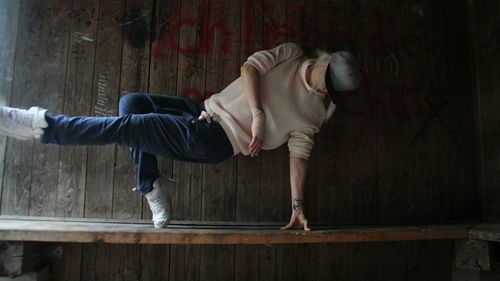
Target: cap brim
[334, 94]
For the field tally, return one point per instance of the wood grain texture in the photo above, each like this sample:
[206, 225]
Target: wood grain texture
[26, 229]
[155, 262]
[388, 155]
[222, 67]
[101, 262]
[191, 74]
[42, 39]
[332, 199]
[101, 160]
[484, 20]
[77, 101]
[97, 264]
[219, 191]
[53, 47]
[9, 23]
[362, 131]
[134, 77]
[163, 72]
[155, 259]
[275, 191]
[248, 180]
[458, 69]
[248, 184]
[15, 196]
[68, 266]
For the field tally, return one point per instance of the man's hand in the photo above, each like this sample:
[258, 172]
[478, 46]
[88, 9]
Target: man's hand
[255, 146]
[258, 131]
[297, 221]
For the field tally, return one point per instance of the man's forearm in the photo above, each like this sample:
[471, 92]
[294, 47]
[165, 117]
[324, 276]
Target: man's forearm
[298, 172]
[251, 83]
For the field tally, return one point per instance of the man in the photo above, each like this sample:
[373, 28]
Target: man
[281, 96]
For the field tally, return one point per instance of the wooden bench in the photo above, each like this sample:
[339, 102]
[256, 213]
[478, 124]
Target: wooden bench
[42, 229]
[471, 239]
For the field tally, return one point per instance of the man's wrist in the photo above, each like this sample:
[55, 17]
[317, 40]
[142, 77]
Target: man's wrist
[297, 204]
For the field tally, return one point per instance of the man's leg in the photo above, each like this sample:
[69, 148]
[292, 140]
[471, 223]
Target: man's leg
[147, 134]
[146, 164]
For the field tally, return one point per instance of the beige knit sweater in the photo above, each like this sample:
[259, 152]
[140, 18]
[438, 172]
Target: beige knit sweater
[294, 113]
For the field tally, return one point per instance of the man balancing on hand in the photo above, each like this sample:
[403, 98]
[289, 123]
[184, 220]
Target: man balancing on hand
[281, 96]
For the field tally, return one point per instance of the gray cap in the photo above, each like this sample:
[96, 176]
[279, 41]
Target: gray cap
[342, 74]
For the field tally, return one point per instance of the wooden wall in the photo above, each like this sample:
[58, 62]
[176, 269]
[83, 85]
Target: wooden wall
[484, 28]
[401, 149]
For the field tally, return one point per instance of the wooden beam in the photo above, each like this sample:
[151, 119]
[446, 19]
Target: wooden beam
[34, 229]
[488, 232]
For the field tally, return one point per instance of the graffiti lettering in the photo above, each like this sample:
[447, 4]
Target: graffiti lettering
[102, 108]
[207, 34]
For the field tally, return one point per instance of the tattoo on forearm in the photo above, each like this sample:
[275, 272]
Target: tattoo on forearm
[297, 204]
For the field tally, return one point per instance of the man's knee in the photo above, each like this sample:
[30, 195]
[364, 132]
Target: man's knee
[134, 103]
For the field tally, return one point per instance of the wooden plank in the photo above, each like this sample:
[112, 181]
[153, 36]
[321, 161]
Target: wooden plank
[271, 263]
[136, 24]
[423, 258]
[9, 19]
[191, 75]
[100, 262]
[362, 131]
[300, 262]
[222, 67]
[211, 224]
[155, 259]
[461, 168]
[53, 47]
[246, 265]
[274, 162]
[217, 262]
[488, 232]
[16, 180]
[371, 262]
[429, 260]
[185, 263]
[53, 231]
[77, 102]
[332, 262]
[101, 159]
[191, 78]
[333, 140]
[275, 195]
[155, 262]
[68, 266]
[163, 69]
[392, 138]
[97, 264]
[247, 258]
[485, 19]
[37, 67]
[134, 78]
[391, 142]
[297, 13]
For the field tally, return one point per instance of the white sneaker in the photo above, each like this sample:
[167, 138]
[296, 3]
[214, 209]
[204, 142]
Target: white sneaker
[159, 204]
[21, 123]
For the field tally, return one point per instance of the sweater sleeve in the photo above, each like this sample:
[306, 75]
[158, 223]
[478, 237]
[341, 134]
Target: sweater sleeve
[301, 143]
[265, 60]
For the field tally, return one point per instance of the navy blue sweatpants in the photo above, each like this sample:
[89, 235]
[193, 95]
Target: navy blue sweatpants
[149, 125]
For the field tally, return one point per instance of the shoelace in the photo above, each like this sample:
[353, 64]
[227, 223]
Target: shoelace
[155, 205]
[206, 116]
[19, 117]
